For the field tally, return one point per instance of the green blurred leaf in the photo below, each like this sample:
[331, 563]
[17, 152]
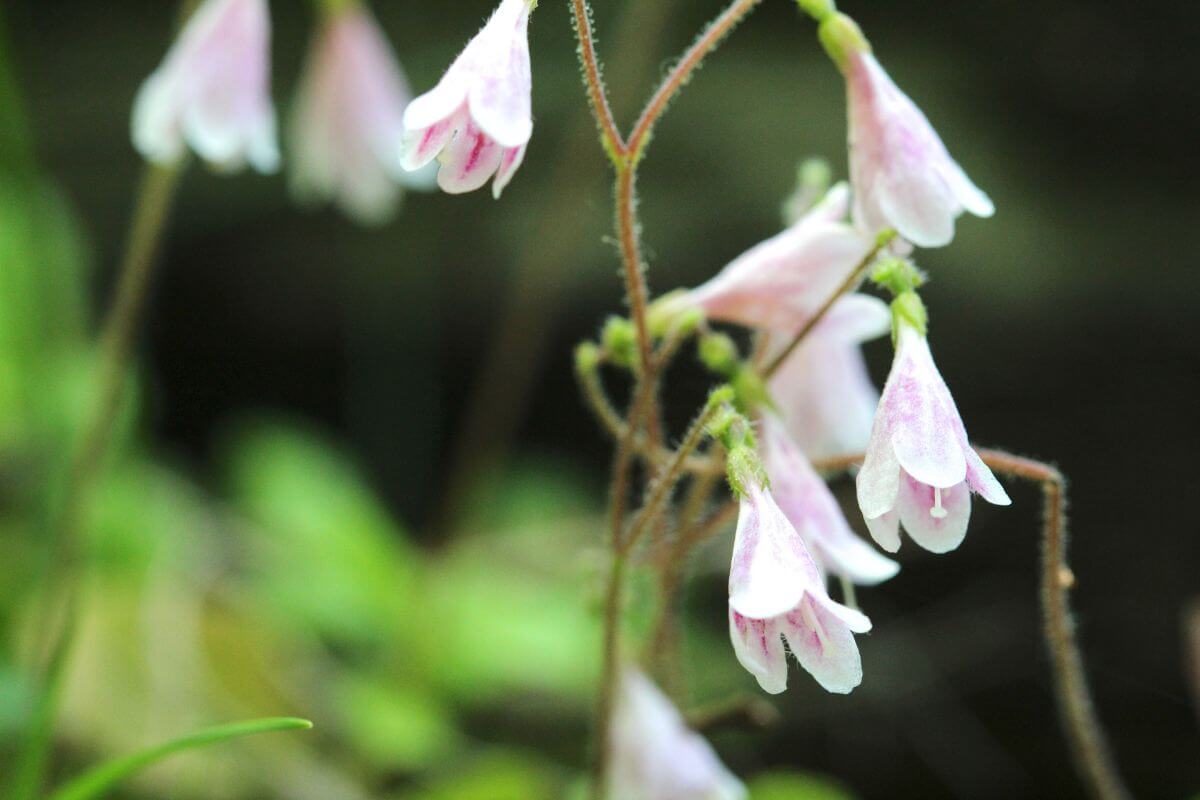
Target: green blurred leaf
[330, 556]
[796, 786]
[394, 727]
[497, 775]
[100, 780]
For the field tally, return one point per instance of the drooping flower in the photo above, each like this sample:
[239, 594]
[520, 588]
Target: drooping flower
[654, 754]
[349, 117]
[920, 468]
[903, 177]
[479, 116]
[781, 282]
[212, 91]
[823, 390]
[814, 512]
[777, 592]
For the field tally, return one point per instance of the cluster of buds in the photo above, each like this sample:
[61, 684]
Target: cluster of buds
[357, 138]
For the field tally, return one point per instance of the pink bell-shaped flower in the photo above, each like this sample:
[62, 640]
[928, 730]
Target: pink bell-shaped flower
[920, 469]
[903, 177]
[823, 390]
[781, 282]
[813, 511]
[212, 91]
[349, 117]
[777, 592]
[654, 754]
[478, 119]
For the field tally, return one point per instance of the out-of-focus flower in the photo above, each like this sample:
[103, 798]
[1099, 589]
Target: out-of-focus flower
[776, 590]
[781, 282]
[478, 119]
[903, 177]
[654, 754]
[823, 390]
[814, 512]
[349, 119]
[920, 469]
[212, 91]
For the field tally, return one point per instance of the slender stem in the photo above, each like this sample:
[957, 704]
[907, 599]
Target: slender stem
[1089, 744]
[666, 483]
[636, 291]
[681, 73]
[614, 145]
[853, 279]
[65, 548]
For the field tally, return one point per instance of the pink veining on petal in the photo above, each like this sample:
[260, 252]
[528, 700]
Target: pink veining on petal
[903, 176]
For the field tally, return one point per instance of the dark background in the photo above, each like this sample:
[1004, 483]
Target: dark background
[1066, 325]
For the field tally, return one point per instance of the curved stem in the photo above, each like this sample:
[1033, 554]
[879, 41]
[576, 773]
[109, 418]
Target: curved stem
[717, 30]
[65, 549]
[1089, 744]
[614, 145]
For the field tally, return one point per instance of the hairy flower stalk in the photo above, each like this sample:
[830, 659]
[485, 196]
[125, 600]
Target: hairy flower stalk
[903, 176]
[823, 390]
[348, 118]
[478, 120]
[212, 92]
[920, 468]
[654, 754]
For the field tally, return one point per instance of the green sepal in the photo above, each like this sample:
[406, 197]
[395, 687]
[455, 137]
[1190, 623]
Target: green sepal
[841, 36]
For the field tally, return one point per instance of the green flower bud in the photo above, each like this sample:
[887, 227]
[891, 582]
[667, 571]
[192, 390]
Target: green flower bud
[587, 358]
[620, 341]
[719, 353]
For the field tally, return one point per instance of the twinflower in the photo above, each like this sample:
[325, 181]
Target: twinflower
[212, 91]
[478, 119]
[654, 754]
[903, 177]
[348, 118]
[777, 593]
[920, 469]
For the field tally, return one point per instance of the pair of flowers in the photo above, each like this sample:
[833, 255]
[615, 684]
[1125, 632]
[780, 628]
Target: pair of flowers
[919, 469]
[357, 138]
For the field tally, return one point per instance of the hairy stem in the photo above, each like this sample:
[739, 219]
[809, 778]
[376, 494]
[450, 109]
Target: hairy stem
[611, 138]
[1089, 744]
[682, 72]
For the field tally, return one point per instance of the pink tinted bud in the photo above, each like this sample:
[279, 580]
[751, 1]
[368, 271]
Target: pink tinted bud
[212, 91]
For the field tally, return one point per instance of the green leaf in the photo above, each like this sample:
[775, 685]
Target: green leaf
[102, 779]
[796, 786]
